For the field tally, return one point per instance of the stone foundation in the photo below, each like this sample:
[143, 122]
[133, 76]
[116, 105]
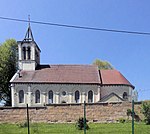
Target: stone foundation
[97, 112]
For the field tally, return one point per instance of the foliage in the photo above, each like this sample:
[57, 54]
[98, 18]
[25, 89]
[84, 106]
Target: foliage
[80, 124]
[122, 120]
[7, 68]
[129, 112]
[102, 64]
[136, 117]
[22, 124]
[146, 111]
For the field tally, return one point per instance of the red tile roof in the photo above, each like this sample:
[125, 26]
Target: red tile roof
[62, 74]
[110, 77]
[83, 74]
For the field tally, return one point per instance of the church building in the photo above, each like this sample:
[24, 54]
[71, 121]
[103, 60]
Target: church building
[39, 85]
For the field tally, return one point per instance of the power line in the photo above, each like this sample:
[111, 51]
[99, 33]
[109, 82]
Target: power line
[78, 27]
[144, 90]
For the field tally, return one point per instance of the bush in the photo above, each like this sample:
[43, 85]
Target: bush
[146, 111]
[122, 120]
[22, 124]
[80, 124]
[129, 113]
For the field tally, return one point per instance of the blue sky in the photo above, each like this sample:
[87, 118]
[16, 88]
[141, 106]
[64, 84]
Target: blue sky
[130, 54]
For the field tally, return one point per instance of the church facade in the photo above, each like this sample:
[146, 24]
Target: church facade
[39, 85]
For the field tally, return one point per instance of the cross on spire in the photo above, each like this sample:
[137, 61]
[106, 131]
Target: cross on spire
[29, 36]
[29, 20]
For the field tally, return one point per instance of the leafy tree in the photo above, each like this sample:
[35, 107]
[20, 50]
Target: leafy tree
[8, 60]
[102, 64]
[146, 111]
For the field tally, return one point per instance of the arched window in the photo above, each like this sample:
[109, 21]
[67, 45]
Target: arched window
[77, 96]
[90, 96]
[24, 53]
[125, 95]
[50, 97]
[21, 96]
[29, 53]
[37, 96]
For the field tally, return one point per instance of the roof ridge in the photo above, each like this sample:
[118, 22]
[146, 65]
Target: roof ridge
[72, 65]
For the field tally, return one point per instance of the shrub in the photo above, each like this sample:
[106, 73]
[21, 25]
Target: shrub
[136, 117]
[146, 111]
[80, 124]
[122, 120]
[22, 124]
[129, 112]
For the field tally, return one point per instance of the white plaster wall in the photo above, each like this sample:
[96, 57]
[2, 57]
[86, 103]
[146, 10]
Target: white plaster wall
[28, 64]
[29, 89]
[16, 89]
[119, 90]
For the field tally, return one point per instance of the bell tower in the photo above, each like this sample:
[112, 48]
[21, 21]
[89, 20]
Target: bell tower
[29, 52]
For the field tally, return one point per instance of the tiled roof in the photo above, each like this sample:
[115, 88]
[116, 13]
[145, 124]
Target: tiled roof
[83, 74]
[109, 77]
[61, 74]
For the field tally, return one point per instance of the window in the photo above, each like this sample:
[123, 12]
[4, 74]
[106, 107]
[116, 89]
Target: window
[63, 93]
[29, 53]
[77, 96]
[125, 95]
[37, 96]
[24, 53]
[90, 96]
[50, 97]
[21, 96]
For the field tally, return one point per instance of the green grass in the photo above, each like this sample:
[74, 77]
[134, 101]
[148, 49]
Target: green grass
[43, 128]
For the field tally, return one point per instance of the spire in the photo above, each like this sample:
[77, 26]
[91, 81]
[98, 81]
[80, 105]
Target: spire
[29, 36]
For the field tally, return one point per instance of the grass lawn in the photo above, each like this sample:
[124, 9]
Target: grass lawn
[95, 128]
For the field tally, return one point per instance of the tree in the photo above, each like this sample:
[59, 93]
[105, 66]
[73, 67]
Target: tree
[102, 64]
[8, 60]
[146, 111]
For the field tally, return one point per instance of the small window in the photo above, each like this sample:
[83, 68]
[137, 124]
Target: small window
[125, 95]
[77, 96]
[90, 96]
[21, 96]
[63, 93]
[37, 96]
[50, 97]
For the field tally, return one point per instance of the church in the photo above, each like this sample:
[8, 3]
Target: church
[39, 85]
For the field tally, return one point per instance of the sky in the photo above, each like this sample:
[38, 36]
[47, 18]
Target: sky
[128, 53]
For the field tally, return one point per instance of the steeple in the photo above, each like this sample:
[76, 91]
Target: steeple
[29, 52]
[29, 35]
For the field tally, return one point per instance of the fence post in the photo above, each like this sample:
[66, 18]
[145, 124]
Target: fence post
[132, 116]
[28, 119]
[84, 117]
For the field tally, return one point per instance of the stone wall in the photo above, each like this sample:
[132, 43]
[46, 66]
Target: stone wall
[97, 112]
